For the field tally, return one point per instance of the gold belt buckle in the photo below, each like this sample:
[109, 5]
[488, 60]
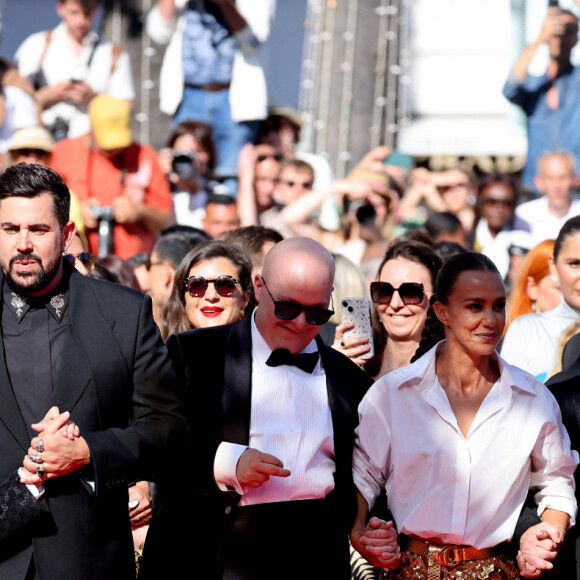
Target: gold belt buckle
[448, 556]
[438, 557]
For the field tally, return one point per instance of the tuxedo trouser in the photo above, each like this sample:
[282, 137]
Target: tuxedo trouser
[304, 539]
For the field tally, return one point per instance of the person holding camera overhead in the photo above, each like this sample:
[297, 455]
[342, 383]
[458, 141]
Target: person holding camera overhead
[70, 65]
[120, 183]
[189, 161]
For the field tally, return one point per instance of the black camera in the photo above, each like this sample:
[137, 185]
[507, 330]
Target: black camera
[59, 129]
[182, 164]
[363, 210]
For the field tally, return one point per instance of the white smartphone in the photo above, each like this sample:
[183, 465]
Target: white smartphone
[358, 311]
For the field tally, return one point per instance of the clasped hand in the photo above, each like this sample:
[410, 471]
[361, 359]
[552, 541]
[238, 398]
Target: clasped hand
[377, 542]
[539, 545]
[64, 451]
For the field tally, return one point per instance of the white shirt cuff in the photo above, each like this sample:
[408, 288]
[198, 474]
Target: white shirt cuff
[37, 492]
[224, 466]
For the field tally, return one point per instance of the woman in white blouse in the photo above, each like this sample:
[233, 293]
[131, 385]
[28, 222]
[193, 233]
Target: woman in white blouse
[457, 439]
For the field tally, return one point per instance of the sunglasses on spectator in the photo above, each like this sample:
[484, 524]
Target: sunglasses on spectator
[277, 156]
[85, 258]
[491, 201]
[285, 310]
[410, 292]
[197, 285]
[28, 152]
[291, 183]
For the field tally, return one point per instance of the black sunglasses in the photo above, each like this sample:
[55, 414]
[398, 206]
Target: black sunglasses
[277, 156]
[314, 315]
[197, 285]
[410, 292]
[85, 258]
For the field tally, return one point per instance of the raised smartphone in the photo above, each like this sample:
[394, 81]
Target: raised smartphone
[358, 311]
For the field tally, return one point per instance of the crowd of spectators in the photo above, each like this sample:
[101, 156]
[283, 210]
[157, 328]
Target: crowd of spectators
[190, 225]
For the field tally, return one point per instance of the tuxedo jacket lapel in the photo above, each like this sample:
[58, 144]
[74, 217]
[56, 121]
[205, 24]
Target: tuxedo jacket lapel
[10, 413]
[344, 415]
[90, 345]
[237, 388]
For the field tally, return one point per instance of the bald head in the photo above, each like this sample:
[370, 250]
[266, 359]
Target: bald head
[302, 257]
[297, 270]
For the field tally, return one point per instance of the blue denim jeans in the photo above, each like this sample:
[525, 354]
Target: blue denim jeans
[229, 136]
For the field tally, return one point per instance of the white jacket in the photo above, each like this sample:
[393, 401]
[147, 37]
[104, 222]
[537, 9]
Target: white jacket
[248, 94]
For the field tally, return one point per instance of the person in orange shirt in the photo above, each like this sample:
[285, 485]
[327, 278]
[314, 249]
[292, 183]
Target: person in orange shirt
[115, 178]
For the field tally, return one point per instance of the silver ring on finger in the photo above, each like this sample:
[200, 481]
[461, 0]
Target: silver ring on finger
[40, 445]
[40, 471]
[37, 457]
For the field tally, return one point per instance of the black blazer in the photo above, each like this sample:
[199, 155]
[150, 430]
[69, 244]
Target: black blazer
[214, 367]
[119, 385]
[566, 389]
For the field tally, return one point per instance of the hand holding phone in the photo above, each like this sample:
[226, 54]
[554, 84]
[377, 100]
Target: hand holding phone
[358, 312]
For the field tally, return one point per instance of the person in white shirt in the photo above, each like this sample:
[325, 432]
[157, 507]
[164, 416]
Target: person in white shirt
[532, 340]
[70, 65]
[555, 178]
[213, 68]
[273, 441]
[457, 439]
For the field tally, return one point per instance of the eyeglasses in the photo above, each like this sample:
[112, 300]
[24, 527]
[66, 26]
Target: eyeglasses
[291, 183]
[277, 156]
[491, 201]
[85, 258]
[410, 292]
[314, 315]
[149, 264]
[197, 285]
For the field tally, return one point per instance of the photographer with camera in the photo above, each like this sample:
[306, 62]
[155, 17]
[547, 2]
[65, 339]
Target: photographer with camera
[549, 101]
[70, 65]
[120, 183]
[368, 199]
[189, 162]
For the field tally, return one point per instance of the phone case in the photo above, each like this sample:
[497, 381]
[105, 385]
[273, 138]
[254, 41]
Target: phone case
[358, 311]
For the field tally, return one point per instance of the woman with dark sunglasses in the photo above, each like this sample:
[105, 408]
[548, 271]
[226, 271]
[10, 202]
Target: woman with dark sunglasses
[458, 439]
[401, 295]
[212, 286]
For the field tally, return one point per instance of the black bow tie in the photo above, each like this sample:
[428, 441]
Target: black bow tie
[281, 356]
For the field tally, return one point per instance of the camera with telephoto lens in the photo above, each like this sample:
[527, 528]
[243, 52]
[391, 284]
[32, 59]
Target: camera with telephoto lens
[363, 211]
[182, 164]
[105, 224]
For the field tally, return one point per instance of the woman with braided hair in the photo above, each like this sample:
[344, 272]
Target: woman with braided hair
[457, 439]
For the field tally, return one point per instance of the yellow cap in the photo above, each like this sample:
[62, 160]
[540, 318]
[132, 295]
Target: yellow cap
[111, 122]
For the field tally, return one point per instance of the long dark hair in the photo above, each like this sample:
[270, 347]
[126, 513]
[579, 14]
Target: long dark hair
[434, 330]
[174, 317]
[409, 250]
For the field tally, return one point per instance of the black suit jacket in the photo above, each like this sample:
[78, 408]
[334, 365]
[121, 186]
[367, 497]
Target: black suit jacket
[119, 385]
[214, 366]
[565, 386]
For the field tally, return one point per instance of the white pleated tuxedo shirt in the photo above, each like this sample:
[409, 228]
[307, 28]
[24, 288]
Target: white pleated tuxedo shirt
[290, 419]
[455, 489]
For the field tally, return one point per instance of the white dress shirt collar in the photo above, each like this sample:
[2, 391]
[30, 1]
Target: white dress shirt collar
[261, 351]
[423, 374]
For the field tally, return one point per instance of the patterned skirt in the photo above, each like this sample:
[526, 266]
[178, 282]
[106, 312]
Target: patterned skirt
[414, 567]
